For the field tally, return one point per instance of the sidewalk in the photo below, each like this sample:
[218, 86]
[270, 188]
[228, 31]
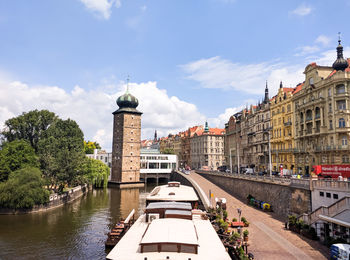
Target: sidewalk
[267, 237]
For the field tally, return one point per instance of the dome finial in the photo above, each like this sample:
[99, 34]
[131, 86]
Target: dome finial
[340, 63]
[127, 84]
[206, 128]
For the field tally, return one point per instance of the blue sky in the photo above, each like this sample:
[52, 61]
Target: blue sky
[203, 59]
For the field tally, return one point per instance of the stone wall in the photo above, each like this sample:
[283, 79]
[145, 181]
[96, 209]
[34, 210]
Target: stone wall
[285, 199]
[55, 201]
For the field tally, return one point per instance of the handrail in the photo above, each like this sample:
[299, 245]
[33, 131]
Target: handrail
[131, 214]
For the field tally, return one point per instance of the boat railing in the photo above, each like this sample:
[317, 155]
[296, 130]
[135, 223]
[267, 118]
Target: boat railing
[130, 218]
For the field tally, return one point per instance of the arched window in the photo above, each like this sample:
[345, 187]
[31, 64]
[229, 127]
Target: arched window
[340, 89]
[301, 117]
[317, 112]
[341, 122]
[308, 115]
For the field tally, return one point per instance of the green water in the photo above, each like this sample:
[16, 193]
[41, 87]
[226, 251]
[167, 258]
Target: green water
[75, 231]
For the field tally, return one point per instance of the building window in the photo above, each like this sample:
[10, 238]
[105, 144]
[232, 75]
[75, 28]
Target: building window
[335, 196]
[345, 159]
[328, 195]
[321, 193]
[311, 81]
[330, 107]
[341, 105]
[344, 140]
[329, 92]
[340, 89]
[330, 124]
[341, 123]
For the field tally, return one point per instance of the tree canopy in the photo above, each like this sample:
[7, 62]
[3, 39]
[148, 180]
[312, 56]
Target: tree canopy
[16, 155]
[29, 126]
[89, 147]
[24, 189]
[61, 152]
[96, 172]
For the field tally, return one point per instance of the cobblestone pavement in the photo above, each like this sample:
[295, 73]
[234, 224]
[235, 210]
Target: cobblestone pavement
[268, 238]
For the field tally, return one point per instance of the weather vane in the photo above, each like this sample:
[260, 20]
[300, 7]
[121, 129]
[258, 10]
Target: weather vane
[339, 37]
[127, 84]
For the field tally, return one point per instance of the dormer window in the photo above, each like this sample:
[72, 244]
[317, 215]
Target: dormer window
[311, 81]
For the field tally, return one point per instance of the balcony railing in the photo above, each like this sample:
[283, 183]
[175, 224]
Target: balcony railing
[288, 123]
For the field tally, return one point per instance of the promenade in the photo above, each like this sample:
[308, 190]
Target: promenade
[268, 238]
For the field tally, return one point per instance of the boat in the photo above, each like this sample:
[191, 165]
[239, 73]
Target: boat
[119, 230]
[170, 229]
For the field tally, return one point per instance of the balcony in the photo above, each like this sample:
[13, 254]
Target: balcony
[326, 148]
[288, 123]
[308, 118]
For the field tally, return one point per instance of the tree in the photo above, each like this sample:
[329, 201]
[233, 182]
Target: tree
[24, 189]
[89, 147]
[16, 155]
[61, 151]
[28, 126]
[96, 172]
[168, 151]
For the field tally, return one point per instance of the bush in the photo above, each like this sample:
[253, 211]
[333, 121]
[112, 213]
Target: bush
[224, 214]
[234, 220]
[243, 219]
[235, 236]
[292, 220]
[24, 189]
[245, 233]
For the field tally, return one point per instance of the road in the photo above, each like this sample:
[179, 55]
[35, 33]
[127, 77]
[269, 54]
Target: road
[268, 238]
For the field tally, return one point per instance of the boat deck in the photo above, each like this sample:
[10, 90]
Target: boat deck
[210, 246]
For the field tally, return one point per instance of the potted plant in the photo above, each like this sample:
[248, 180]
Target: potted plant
[234, 220]
[224, 214]
[245, 235]
[235, 238]
[245, 222]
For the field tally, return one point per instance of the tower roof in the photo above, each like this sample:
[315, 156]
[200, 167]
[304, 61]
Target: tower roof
[127, 103]
[340, 63]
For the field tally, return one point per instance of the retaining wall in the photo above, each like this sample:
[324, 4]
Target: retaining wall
[55, 201]
[284, 198]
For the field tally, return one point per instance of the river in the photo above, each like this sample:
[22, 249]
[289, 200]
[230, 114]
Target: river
[75, 231]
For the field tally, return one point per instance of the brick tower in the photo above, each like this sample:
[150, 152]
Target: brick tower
[126, 142]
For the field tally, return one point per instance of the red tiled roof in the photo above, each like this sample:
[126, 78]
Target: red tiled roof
[297, 88]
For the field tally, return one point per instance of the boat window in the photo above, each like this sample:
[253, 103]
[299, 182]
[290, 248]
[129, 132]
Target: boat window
[169, 248]
[150, 248]
[188, 249]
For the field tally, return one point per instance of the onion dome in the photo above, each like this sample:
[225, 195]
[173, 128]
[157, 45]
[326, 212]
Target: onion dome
[340, 63]
[206, 128]
[127, 103]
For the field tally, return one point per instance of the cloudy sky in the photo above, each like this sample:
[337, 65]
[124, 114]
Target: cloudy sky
[188, 60]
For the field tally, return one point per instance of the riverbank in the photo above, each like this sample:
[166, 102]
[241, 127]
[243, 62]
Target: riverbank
[55, 201]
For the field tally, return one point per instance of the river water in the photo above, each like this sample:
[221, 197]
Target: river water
[75, 231]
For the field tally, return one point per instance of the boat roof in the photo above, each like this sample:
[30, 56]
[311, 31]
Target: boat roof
[173, 193]
[169, 205]
[178, 212]
[170, 230]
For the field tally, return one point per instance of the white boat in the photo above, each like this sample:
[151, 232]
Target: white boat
[170, 230]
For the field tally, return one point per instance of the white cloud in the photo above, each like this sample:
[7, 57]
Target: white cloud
[302, 10]
[223, 118]
[307, 50]
[218, 73]
[324, 40]
[92, 109]
[102, 8]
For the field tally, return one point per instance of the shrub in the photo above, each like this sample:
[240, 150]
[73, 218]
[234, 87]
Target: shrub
[245, 233]
[234, 220]
[235, 236]
[243, 219]
[24, 189]
[224, 213]
[292, 220]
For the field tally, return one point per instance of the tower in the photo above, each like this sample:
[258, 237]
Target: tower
[266, 99]
[126, 142]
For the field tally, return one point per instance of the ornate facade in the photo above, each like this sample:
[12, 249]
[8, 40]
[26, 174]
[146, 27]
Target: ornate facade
[322, 117]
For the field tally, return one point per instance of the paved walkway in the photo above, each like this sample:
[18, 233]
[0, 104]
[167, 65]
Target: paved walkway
[267, 237]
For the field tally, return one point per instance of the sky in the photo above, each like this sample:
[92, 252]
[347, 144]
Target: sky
[189, 61]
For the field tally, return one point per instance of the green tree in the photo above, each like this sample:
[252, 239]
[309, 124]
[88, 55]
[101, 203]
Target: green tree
[16, 155]
[24, 189]
[61, 151]
[168, 151]
[96, 172]
[28, 126]
[89, 147]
